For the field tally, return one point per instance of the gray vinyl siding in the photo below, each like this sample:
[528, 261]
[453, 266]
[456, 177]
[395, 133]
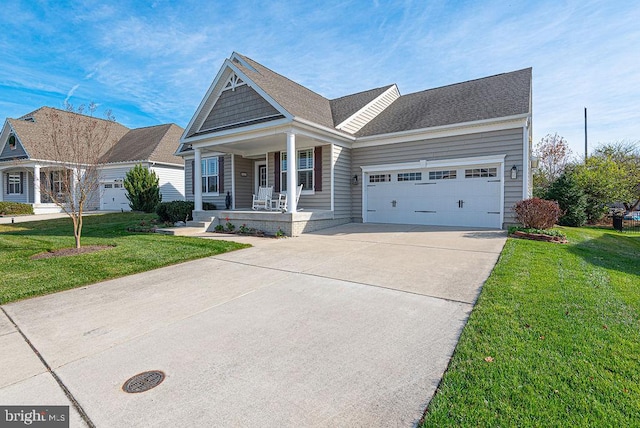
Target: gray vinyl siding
[171, 181]
[319, 200]
[118, 173]
[342, 180]
[244, 185]
[17, 153]
[218, 200]
[239, 106]
[506, 142]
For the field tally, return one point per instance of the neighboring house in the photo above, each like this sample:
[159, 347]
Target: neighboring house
[457, 155]
[24, 163]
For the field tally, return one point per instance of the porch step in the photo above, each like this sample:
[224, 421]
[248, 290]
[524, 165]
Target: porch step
[201, 224]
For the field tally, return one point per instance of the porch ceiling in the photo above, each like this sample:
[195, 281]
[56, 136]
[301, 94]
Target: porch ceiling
[258, 146]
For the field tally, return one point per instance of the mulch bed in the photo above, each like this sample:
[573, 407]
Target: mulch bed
[63, 252]
[539, 237]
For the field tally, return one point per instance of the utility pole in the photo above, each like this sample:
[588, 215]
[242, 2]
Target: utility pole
[585, 134]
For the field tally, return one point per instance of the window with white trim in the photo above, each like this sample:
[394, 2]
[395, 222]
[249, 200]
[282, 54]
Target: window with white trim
[443, 175]
[58, 179]
[304, 169]
[12, 142]
[379, 178]
[14, 184]
[210, 175]
[480, 172]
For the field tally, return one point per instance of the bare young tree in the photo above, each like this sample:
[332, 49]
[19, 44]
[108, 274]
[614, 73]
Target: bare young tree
[553, 155]
[74, 148]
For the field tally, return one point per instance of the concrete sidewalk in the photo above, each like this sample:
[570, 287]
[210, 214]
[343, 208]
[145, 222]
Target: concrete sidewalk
[352, 326]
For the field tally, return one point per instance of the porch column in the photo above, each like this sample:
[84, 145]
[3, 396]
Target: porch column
[291, 172]
[2, 185]
[36, 184]
[197, 180]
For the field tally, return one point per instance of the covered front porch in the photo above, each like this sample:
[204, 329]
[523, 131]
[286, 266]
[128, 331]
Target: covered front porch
[282, 159]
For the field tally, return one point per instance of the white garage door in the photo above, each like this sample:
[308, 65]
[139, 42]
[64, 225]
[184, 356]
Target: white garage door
[450, 196]
[114, 197]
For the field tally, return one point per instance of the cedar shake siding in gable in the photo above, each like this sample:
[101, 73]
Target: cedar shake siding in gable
[507, 142]
[237, 108]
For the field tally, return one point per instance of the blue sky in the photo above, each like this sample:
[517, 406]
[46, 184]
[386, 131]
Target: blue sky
[151, 62]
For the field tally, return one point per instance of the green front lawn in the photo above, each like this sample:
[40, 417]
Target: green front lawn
[554, 339]
[22, 277]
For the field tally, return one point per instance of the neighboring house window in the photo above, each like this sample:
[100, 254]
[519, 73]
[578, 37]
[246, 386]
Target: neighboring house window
[12, 142]
[210, 175]
[443, 175]
[14, 184]
[57, 182]
[480, 172]
[304, 170]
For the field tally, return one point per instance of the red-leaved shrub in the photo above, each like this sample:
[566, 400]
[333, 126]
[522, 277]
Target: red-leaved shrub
[536, 213]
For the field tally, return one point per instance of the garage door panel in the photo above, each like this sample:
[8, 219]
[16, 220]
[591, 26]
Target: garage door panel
[454, 200]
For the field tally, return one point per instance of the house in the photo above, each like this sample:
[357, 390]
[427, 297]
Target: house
[26, 160]
[457, 155]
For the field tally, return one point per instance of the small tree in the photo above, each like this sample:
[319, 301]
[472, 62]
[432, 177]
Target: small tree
[75, 144]
[553, 155]
[626, 155]
[570, 197]
[143, 189]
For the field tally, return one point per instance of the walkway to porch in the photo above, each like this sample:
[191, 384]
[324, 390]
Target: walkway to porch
[270, 222]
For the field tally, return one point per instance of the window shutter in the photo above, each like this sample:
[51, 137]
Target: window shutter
[21, 182]
[276, 169]
[317, 168]
[193, 181]
[220, 174]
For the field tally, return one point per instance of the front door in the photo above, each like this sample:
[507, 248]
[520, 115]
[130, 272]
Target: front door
[261, 175]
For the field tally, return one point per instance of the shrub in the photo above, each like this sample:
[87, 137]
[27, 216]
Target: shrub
[143, 189]
[571, 198]
[175, 211]
[536, 213]
[12, 208]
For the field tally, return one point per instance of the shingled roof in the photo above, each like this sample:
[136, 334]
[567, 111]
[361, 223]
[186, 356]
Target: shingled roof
[34, 129]
[502, 95]
[153, 143]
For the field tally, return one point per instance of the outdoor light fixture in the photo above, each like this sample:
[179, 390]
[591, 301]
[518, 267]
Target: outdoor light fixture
[535, 162]
[354, 180]
[514, 172]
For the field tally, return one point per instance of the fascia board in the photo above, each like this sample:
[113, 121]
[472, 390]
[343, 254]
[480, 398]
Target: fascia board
[486, 125]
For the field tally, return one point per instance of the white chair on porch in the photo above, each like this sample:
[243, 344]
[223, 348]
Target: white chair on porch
[281, 203]
[262, 201]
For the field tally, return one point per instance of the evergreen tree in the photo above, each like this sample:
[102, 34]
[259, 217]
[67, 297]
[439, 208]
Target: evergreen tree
[143, 189]
[569, 194]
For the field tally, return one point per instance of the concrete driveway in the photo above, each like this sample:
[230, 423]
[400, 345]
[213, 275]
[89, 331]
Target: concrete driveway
[350, 326]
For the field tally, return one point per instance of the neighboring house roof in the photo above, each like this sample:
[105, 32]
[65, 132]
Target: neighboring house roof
[153, 143]
[34, 129]
[343, 107]
[502, 95]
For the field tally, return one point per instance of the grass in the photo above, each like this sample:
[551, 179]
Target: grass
[21, 277]
[561, 325]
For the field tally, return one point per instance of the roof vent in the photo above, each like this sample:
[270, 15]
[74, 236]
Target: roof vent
[29, 119]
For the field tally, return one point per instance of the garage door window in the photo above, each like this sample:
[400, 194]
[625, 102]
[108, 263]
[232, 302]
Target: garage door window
[410, 176]
[443, 175]
[379, 178]
[480, 172]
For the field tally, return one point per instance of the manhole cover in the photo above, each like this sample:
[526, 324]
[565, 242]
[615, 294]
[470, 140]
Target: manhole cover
[143, 382]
